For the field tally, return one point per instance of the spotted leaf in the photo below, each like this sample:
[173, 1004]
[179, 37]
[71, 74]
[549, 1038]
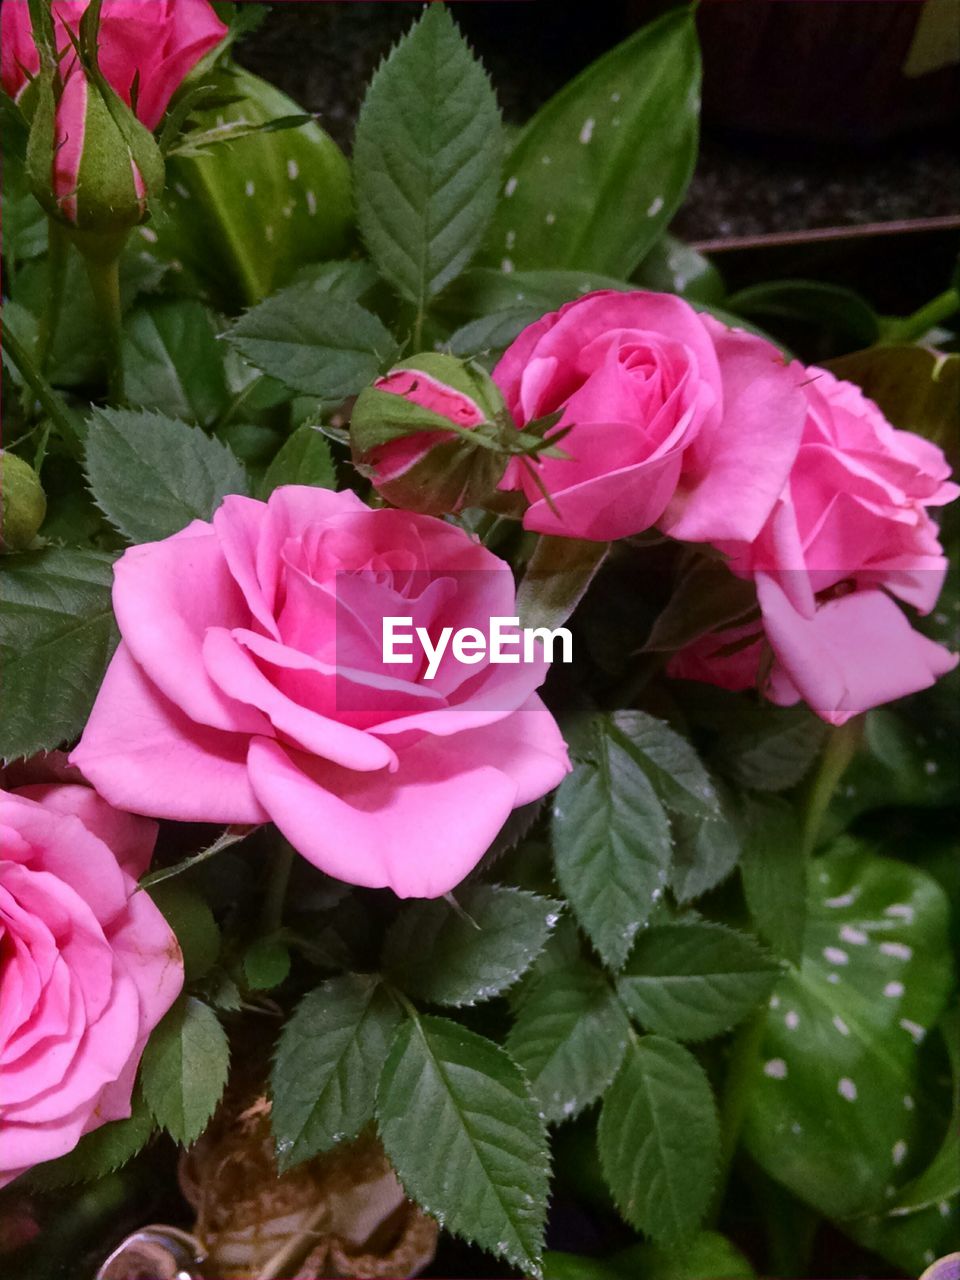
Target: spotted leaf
[836, 1105]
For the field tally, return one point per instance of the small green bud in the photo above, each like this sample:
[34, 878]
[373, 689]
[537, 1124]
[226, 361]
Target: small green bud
[22, 500]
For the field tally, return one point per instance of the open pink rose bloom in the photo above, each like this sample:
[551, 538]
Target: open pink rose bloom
[250, 685]
[88, 967]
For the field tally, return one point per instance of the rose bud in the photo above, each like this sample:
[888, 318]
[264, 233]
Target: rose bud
[92, 164]
[432, 435]
[22, 503]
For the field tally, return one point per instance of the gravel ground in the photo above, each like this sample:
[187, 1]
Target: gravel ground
[324, 54]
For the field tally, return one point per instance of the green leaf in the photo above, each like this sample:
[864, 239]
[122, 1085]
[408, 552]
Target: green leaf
[694, 981]
[611, 843]
[569, 1037]
[314, 342]
[940, 1180]
[840, 316]
[768, 748]
[836, 1102]
[188, 915]
[173, 362]
[328, 1062]
[459, 956]
[659, 1140]
[266, 963]
[670, 762]
[151, 475]
[57, 635]
[704, 852]
[674, 267]
[304, 458]
[426, 158]
[774, 873]
[707, 598]
[556, 579]
[600, 169]
[917, 389]
[246, 216]
[99, 1152]
[460, 1128]
[184, 1069]
[708, 1254]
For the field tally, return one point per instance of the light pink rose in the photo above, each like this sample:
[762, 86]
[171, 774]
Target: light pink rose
[250, 685]
[149, 45]
[678, 421]
[88, 967]
[849, 537]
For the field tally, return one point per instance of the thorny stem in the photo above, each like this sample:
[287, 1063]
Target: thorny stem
[104, 277]
[59, 248]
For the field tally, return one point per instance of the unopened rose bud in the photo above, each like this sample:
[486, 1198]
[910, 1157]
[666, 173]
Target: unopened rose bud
[92, 164]
[432, 435]
[22, 503]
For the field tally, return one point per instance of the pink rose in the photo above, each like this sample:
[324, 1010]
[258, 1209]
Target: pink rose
[678, 421]
[89, 967]
[849, 536]
[250, 685]
[146, 48]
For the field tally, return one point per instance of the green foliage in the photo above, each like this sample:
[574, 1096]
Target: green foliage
[57, 635]
[427, 159]
[659, 1140]
[173, 362]
[187, 913]
[314, 342]
[184, 1069]
[461, 954]
[266, 963]
[837, 1103]
[304, 458]
[569, 1036]
[461, 1129]
[327, 1066]
[599, 171]
[774, 873]
[691, 981]
[151, 475]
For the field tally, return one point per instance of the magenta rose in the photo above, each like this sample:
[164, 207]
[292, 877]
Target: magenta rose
[678, 421]
[88, 967]
[145, 49]
[250, 685]
[849, 539]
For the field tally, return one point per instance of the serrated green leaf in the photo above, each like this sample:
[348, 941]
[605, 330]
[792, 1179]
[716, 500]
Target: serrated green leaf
[611, 844]
[314, 344]
[837, 1103]
[151, 475]
[600, 169]
[670, 762]
[659, 1140]
[556, 579]
[770, 748]
[569, 1036]
[693, 981]
[304, 458]
[426, 158]
[186, 912]
[774, 872]
[328, 1062]
[99, 1152]
[458, 1123]
[173, 362]
[704, 851]
[57, 634]
[184, 1069]
[457, 957]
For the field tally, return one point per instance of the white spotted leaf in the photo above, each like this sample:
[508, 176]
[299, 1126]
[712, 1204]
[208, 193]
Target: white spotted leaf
[599, 171]
[836, 1106]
